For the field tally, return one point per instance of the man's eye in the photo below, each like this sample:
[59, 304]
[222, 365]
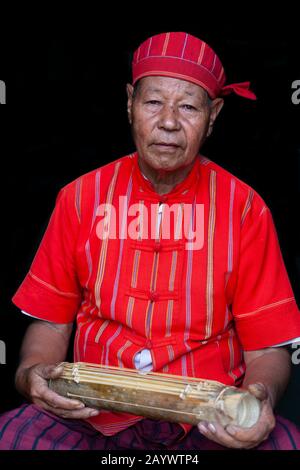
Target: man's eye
[153, 102]
[189, 107]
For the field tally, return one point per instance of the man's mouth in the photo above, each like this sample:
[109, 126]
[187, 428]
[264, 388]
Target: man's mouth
[166, 145]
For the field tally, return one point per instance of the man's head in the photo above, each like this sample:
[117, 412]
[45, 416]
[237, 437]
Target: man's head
[171, 119]
[175, 97]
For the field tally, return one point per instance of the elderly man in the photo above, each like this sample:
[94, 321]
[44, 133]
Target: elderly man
[212, 300]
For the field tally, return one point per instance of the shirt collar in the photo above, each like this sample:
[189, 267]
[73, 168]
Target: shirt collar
[181, 191]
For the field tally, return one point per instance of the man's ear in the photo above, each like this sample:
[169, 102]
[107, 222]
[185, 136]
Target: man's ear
[215, 107]
[129, 89]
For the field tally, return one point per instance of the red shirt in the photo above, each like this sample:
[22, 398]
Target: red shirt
[195, 309]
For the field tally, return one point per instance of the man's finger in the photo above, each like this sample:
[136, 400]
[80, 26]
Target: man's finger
[68, 414]
[57, 401]
[76, 414]
[255, 434]
[263, 427]
[215, 432]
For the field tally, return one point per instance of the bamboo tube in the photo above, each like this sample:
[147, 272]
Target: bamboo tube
[157, 396]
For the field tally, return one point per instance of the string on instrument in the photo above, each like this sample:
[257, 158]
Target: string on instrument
[163, 383]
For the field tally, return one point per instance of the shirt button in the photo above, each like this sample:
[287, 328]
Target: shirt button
[153, 296]
[157, 247]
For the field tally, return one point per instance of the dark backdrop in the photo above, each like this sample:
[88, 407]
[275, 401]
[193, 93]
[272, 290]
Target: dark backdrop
[66, 115]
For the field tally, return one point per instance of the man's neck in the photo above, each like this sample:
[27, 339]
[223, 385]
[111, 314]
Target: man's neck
[164, 181]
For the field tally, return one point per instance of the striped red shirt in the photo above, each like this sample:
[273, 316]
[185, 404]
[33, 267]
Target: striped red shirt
[196, 310]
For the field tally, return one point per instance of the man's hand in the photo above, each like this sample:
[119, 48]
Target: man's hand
[244, 438]
[44, 346]
[32, 382]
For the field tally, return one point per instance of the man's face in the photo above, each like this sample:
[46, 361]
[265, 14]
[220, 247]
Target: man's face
[170, 120]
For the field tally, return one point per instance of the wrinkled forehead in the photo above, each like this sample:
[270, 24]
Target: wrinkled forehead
[170, 86]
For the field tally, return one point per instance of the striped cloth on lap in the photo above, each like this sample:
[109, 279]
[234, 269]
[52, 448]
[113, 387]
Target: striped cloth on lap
[30, 428]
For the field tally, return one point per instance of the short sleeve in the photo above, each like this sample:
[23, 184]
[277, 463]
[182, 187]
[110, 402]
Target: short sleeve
[264, 307]
[51, 290]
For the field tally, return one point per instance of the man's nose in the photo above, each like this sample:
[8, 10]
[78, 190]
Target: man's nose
[168, 119]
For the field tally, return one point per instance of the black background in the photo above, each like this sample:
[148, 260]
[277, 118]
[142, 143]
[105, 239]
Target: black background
[66, 115]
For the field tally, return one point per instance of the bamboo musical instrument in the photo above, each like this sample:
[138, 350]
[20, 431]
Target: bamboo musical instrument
[157, 396]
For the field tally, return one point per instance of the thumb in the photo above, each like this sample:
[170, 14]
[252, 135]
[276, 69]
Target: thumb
[51, 371]
[259, 390]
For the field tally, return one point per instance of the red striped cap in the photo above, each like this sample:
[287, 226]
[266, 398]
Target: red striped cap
[183, 56]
